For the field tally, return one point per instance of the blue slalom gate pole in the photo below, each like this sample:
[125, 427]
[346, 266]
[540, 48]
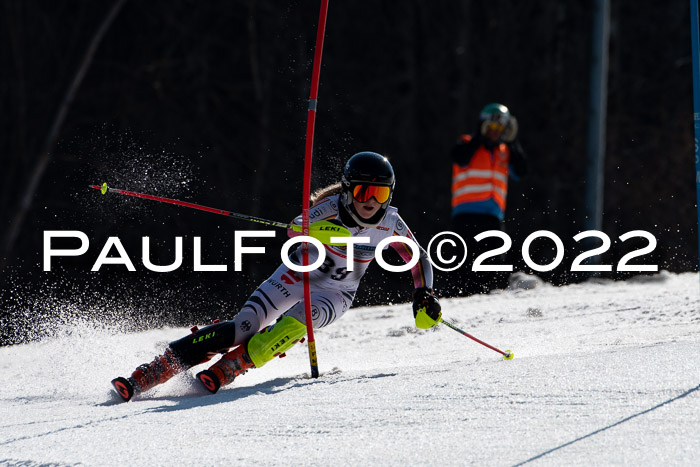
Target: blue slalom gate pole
[695, 37]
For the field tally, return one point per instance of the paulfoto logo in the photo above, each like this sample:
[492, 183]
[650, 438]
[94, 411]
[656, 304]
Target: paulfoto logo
[441, 251]
[122, 258]
[451, 241]
[441, 248]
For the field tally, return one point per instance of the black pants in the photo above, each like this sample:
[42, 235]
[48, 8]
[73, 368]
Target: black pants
[464, 281]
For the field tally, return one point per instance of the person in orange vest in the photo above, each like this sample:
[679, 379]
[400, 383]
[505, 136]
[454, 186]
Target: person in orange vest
[481, 166]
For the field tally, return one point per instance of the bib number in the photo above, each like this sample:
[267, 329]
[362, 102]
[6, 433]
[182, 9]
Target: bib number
[337, 274]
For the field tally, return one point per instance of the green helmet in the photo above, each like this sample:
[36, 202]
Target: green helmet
[498, 116]
[495, 113]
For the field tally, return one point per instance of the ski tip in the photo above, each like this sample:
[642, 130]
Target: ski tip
[209, 380]
[104, 188]
[508, 355]
[123, 387]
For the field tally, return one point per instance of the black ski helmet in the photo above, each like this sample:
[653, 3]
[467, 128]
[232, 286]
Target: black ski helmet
[366, 168]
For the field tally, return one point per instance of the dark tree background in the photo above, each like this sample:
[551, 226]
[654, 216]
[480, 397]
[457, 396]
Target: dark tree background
[206, 102]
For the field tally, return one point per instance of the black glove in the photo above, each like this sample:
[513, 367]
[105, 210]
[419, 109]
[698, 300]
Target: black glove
[426, 308]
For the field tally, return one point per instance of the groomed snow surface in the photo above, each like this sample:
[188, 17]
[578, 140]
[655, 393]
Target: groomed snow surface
[605, 373]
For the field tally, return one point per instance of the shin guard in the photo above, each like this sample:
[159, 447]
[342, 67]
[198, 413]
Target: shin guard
[275, 340]
[203, 343]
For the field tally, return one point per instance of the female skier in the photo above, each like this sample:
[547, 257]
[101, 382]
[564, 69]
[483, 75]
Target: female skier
[360, 202]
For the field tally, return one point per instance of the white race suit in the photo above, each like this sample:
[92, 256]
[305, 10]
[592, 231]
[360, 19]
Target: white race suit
[332, 285]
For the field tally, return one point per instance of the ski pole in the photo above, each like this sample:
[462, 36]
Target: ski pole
[507, 355]
[321, 230]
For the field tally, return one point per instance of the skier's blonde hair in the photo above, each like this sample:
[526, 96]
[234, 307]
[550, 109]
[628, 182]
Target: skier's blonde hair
[325, 192]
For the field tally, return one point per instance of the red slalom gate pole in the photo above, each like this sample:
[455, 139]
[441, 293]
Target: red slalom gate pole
[308, 154]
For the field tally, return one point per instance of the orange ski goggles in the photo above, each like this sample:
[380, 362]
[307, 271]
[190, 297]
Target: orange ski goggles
[364, 193]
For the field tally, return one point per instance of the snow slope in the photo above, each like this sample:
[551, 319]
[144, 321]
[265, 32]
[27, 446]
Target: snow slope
[604, 373]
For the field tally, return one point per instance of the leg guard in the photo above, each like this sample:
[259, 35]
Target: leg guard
[199, 346]
[275, 340]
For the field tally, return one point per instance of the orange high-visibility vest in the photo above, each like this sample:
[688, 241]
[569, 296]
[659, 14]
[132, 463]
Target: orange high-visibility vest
[485, 177]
